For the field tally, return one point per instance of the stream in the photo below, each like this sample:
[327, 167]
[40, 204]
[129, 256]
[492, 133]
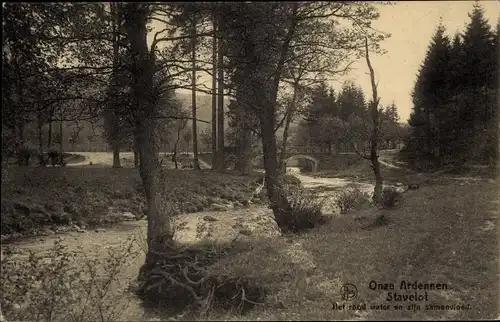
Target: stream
[329, 187]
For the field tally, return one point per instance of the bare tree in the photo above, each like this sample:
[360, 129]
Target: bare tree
[221, 167]
[214, 94]
[374, 142]
[110, 117]
[196, 164]
[359, 133]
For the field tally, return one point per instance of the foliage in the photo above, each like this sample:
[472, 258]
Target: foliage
[323, 107]
[304, 208]
[60, 286]
[352, 199]
[390, 198]
[342, 120]
[290, 179]
[392, 132]
[38, 43]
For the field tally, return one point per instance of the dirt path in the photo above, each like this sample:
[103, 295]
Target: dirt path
[104, 159]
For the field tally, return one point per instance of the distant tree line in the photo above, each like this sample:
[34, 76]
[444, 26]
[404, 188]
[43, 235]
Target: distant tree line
[340, 122]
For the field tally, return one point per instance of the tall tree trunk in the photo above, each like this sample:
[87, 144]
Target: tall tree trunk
[40, 139]
[377, 193]
[114, 135]
[243, 145]
[136, 159]
[288, 120]
[159, 225]
[135, 151]
[174, 155]
[61, 142]
[221, 164]
[116, 158]
[196, 163]
[244, 159]
[214, 95]
[278, 202]
[49, 135]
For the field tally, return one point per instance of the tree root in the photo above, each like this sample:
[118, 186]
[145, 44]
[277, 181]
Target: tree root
[183, 278]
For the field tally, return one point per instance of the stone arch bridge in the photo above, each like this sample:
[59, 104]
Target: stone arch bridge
[316, 161]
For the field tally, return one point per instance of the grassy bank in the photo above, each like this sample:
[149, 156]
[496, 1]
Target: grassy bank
[34, 198]
[362, 171]
[444, 233]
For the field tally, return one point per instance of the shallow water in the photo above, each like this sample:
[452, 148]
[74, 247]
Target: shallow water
[329, 188]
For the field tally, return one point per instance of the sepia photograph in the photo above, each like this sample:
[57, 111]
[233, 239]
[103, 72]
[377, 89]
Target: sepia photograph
[250, 161]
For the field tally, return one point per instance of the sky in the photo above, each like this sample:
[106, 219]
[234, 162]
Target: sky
[411, 25]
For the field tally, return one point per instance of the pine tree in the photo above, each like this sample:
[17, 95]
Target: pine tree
[316, 107]
[323, 106]
[494, 121]
[352, 101]
[431, 96]
[455, 112]
[390, 132]
[392, 113]
[478, 106]
[479, 50]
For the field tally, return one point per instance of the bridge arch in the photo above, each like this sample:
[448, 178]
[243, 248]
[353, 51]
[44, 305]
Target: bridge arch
[303, 156]
[314, 161]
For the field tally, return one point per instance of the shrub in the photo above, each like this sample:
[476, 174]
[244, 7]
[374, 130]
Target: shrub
[352, 199]
[54, 157]
[25, 155]
[390, 198]
[303, 210]
[59, 286]
[290, 179]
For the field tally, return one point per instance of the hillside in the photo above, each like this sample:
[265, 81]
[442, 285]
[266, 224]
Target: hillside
[204, 108]
[90, 135]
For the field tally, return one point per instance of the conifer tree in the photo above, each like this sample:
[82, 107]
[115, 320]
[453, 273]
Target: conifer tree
[431, 96]
[455, 112]
[478, 107]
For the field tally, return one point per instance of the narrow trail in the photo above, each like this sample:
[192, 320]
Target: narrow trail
[104, 159]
